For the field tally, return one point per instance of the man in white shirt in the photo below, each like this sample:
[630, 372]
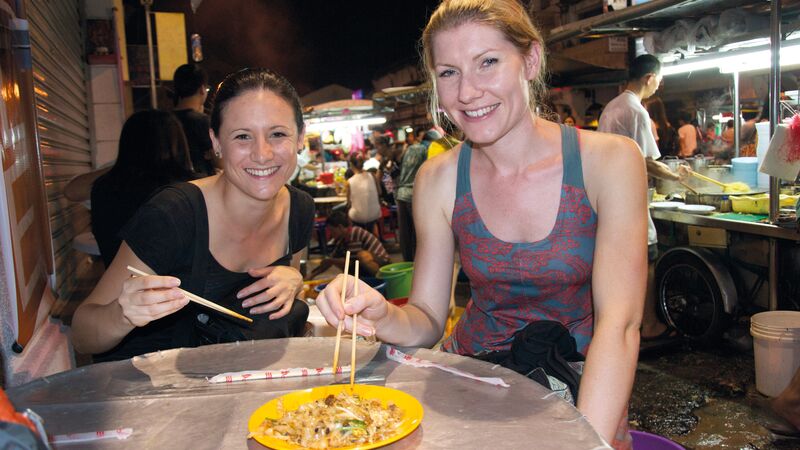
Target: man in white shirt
[625, 115]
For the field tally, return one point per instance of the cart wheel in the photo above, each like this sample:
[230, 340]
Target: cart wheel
[689, 296]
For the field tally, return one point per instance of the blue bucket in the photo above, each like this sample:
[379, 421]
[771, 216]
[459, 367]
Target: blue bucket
[375, 283]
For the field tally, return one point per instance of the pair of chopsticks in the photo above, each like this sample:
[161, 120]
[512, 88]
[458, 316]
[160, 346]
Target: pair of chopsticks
[340, 327]
[197, 299]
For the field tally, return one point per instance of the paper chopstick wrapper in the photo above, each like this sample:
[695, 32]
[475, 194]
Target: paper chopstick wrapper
[119, 433]
[398, 356]
[249, 375]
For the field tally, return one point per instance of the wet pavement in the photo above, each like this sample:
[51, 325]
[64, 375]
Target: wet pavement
[702, 397]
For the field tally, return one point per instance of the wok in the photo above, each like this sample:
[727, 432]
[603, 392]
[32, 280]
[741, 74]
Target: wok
[718, 200]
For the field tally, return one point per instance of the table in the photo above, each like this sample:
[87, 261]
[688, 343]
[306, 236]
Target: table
[324, 206]
[166, 399]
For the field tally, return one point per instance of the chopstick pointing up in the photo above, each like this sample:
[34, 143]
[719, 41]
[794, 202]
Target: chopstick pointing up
[355, 335]
[197, 299]
[341, 322]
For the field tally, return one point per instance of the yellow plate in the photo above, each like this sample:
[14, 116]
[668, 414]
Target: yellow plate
[412, 412]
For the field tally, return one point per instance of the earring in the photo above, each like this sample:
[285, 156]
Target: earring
[218, 154]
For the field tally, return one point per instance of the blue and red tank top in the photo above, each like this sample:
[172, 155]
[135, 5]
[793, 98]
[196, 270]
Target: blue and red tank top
[514, 284]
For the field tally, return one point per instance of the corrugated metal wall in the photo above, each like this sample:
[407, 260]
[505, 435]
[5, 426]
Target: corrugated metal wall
[57, 45]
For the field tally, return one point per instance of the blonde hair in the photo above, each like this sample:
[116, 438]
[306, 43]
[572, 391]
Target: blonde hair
[506, 16]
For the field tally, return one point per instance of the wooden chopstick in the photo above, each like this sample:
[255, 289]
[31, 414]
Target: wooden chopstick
[341, 322]
[709, 179]
[686, 185]
[197, 299]
[355, 335]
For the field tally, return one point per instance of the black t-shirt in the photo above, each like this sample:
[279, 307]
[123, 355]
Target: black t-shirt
[112, 208]
[195, 127]
[170, 234]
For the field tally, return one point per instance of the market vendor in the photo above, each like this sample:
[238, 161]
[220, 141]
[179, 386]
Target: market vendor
[625, 116]
[543, 232]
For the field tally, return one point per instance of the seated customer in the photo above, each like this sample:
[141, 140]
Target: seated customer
[233, 238]
[549, 221]
[362, 196]
[152, 154]
[363, 245]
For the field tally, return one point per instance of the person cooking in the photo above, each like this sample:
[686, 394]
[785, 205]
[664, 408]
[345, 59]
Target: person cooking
[543, 233]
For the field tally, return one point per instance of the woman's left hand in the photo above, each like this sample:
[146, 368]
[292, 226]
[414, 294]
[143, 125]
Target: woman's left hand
[280, 286]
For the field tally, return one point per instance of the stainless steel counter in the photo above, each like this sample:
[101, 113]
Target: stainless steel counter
[166, 399]
[761, 229]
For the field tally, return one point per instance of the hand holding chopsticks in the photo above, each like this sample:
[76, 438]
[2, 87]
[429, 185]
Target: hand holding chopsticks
[341, 322]
[198, 299]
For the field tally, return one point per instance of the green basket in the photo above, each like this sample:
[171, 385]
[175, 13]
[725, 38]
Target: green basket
[398, 277]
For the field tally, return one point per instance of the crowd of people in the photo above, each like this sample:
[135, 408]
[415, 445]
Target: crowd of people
[543, 232]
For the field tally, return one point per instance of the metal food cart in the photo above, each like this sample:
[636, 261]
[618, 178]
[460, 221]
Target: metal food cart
[714, 265]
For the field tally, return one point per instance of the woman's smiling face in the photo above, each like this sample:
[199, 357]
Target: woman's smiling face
[259, 140]
[482, 80]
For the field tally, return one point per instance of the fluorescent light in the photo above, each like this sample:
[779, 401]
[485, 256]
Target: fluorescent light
[691, 65]
[735, 61]
[317, 125]
[761, 60]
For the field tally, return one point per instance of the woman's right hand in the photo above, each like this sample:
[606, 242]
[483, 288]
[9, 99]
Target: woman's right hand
[145, 299]
[369, 304]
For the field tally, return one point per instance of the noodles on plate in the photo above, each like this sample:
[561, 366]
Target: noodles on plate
[334, 421]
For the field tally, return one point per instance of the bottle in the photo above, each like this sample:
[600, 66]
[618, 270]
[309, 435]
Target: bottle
[197, 48]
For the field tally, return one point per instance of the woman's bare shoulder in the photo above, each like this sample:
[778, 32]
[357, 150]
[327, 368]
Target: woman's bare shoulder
[598, 147]
[435, 185]
[441, 170]
[610, 163]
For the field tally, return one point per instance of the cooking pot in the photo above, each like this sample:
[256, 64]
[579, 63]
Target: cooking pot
[698, 163]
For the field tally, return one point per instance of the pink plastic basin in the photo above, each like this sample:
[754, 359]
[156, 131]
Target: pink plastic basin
[647, 441]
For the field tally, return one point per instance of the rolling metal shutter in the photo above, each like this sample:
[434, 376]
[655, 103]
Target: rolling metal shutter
[59, 72]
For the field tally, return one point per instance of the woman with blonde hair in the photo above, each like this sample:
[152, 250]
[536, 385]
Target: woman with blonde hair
[550, 221]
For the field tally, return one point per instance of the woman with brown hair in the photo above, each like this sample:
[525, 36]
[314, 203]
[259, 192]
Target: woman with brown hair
[234, 238]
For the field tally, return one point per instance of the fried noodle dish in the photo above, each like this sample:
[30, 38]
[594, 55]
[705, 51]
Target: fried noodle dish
[335, 421]
[736, 187]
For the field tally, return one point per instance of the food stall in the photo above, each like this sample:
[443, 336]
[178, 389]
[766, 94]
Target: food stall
[716, 264]
[334, 130]
[342, 124]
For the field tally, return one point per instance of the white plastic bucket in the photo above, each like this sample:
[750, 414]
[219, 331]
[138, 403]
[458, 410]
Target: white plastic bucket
[776, 344]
